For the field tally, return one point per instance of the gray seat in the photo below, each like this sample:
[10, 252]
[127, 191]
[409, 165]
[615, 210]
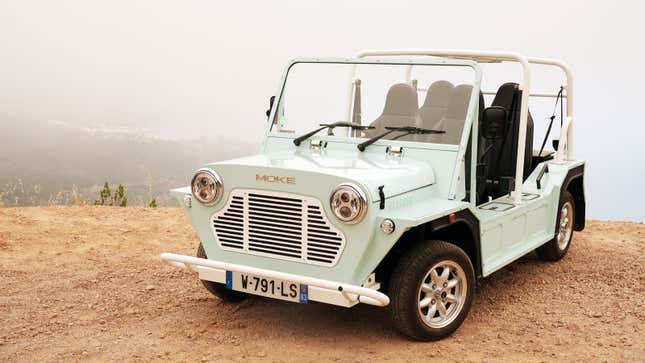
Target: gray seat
[453, 120]
[436, 103]
[401, 109]
[434, 108]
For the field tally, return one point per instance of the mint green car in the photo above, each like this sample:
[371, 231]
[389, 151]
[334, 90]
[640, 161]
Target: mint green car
[389, 179]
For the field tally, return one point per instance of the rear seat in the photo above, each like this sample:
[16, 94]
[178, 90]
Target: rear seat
[436, 103]
[453, 120]
[445, 108]
[434, 108]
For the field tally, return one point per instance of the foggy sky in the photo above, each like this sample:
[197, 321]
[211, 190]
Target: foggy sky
[186, 69]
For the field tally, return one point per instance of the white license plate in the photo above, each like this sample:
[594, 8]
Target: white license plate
[263, 286]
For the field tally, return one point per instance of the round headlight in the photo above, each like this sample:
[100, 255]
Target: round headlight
[206, 187]
[348, 203]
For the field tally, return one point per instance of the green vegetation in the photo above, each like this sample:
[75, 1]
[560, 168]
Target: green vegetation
[107, 198]
[153, 203]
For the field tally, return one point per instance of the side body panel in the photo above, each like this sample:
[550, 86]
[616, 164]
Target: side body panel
[510, 231]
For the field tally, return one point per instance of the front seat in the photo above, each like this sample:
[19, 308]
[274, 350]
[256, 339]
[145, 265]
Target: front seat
[501, 159]
[401, 109]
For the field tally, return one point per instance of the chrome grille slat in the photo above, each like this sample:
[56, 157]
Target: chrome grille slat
[280, 247]
[313, 244]
[278, 225]
[275, 236]
[274, 253]
[278, 205]
[269, 214]
[325, 242]
[264, 228]
[261, 221]
[297, 213]
[256, 240]
[313, 235]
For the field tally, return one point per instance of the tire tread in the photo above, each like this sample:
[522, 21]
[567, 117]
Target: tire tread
[415, 262]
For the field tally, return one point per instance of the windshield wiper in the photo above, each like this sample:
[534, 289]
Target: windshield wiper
[304, 137]
[407, 130]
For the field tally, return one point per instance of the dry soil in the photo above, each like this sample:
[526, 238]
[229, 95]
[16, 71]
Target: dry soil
[86, 283]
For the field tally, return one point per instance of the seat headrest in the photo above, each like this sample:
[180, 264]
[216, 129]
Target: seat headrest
[401, 100]
[505, 94]
[459, 98]
[438, 94]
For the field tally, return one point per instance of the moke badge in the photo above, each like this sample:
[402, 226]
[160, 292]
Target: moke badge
[275, 179]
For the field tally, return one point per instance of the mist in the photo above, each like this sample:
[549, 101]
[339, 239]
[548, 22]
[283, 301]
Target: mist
[195, 77]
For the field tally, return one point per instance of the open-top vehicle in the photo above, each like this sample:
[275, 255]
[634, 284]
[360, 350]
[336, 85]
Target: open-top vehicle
[385, 179]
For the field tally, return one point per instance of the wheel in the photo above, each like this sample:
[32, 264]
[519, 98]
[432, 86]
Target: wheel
[556, 248]
[432, 288]
[220, 290]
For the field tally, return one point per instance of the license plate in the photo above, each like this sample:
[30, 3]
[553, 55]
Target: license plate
[263, 286]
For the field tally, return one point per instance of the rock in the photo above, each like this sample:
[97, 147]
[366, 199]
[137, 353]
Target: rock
[150, 287]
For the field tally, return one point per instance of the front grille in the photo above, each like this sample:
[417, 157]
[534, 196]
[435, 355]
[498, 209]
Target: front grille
[279, 225]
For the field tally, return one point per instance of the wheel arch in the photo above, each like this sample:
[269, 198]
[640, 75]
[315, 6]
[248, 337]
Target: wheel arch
[462, 230]
[574, 184]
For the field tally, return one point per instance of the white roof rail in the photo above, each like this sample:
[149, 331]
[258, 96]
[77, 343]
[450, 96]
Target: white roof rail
[485, 56]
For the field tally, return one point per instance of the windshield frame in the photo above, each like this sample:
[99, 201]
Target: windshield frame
[411, 61]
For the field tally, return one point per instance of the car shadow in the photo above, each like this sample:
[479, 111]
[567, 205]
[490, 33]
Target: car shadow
[334, 322]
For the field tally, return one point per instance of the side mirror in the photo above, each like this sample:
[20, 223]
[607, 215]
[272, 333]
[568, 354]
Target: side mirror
[494, 123]
[271, 100]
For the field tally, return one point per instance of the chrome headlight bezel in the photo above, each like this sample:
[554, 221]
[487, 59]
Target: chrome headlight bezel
[348, 195]
[209, 191]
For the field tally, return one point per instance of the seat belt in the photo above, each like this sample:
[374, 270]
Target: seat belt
[555, 107]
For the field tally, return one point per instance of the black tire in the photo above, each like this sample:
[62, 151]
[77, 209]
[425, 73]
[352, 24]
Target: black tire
[552, 250]
[220, 290]
[406, 284]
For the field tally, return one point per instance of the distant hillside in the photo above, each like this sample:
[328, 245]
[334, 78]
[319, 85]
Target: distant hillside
[45, 163]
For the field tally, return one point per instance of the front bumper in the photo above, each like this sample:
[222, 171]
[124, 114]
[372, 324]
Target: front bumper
[325, 291]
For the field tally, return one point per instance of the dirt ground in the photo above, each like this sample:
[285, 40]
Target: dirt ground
[86, 283]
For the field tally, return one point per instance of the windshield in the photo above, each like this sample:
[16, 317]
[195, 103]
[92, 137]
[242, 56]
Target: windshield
[433, 97]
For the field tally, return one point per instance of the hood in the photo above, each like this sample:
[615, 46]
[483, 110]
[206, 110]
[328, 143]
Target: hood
[370, 170]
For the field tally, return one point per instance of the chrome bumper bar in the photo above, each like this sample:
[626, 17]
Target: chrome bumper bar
[336, 293]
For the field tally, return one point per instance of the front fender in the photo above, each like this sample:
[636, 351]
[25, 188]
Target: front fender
[407, 211]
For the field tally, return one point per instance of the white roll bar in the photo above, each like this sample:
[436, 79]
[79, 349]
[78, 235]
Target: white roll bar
[565, 133]
[525, 86]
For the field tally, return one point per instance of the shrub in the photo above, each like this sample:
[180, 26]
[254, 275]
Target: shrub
[104, 195]
[119, 198]
[107, 198]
